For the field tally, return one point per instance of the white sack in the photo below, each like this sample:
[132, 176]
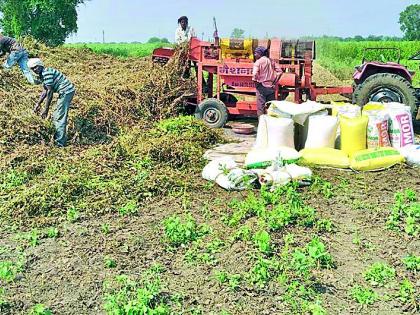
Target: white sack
[377, 135]
[298, 172]
[217, 167]
[275, 178]
[401, 130]
[412, 154]
[322, 132]
[280, 132]
[237, 179]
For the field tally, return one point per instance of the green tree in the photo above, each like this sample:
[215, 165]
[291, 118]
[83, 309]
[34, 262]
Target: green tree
[410, 22]
[50, 21]
[153, 40]
[238, 33]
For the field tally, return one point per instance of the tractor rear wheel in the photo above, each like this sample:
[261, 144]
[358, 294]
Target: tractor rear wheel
[213, 112]
[385, 88]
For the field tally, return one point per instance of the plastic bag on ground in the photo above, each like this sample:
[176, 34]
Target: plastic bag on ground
[411, 153]
[262, 158]
[322, 131]
[217, 167]
[297, 172]
[326, 157]
[377, 131]
[275, 178]
[375, 159]
[236, 179]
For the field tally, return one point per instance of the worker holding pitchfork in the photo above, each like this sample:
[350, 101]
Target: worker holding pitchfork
[265, 74]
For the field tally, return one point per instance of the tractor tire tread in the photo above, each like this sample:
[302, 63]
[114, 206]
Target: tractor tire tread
[362, 91]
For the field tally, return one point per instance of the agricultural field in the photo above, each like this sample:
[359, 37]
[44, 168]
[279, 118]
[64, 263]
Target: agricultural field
[122, 49]
[341, 57]
[121, 222]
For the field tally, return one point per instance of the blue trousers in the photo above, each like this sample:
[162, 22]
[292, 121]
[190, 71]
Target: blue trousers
[60, 117]
[20, 57]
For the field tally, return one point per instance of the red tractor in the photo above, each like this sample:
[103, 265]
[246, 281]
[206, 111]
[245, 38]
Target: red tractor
[385, 82]
[230, 91]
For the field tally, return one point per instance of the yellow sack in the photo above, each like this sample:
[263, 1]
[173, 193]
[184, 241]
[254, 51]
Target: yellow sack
[373, 106]
[353, 134]
[326, 157]
[236, 48]
[375, 159]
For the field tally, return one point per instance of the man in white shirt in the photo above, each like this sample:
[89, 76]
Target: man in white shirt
[183, 32]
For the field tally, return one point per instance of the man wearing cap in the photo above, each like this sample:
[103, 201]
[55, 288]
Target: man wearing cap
[17, 55]
[54, 82]
[184, 32]
[265, 74]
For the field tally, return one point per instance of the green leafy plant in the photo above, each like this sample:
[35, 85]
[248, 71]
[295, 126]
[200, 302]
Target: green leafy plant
[40, 309]
[33, 238]
[262, 240]
[322, 186]
[128, 208]
[110, 263]
[8, 271]
[232, 280]
[204, 253]
[324, 225]
[405, 215]
[52, 232]
[145, 296]
[181, 232]
[317, 251]
[379, 274]
[412, 262]
[72, 215]
[242, 234]
[364, 296]
[263, 271]
[105, 228]
[407, 292]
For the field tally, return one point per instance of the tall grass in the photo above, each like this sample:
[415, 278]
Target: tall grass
[122, 49]
[341, 57]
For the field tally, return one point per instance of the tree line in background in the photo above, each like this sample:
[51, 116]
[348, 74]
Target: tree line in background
[52, 21]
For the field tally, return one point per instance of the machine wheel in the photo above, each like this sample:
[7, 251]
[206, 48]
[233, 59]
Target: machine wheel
[213, 112]
[385, 87]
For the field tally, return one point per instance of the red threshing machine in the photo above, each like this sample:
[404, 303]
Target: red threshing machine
[230, 90]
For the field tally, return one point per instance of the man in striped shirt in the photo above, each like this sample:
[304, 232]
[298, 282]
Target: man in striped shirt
[17, 55]
[54, 82]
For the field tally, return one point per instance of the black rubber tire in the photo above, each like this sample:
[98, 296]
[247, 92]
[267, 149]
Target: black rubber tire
[213, 112]
[363, 92]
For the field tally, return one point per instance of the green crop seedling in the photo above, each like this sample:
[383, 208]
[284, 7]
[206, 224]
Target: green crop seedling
[379, 274]
[181, 232]
[364, 296]
[412, 262]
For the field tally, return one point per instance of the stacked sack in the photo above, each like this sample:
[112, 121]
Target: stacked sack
[349, 138]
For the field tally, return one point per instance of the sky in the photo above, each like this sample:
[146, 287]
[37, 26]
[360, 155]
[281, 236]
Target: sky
[138, 20]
